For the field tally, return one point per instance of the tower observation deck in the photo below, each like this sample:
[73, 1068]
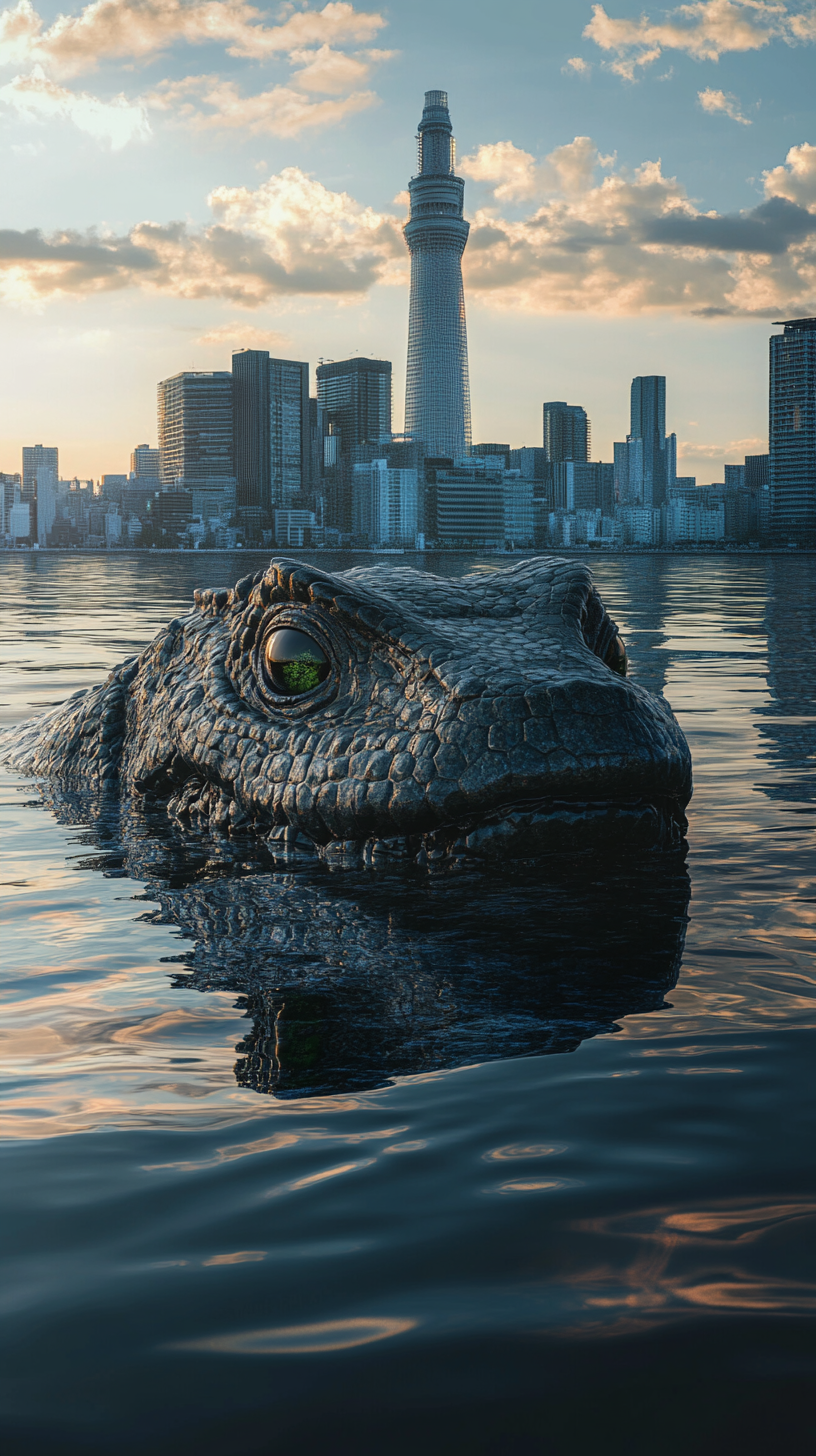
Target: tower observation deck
[437, 391]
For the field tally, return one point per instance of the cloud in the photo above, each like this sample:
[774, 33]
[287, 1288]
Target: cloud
[796, 178]
[238, 335]
[705, 30]
[634, 242]
[332, 72]
[712, 101]
[117, 122]
[139, 29]
[578, 66]
[289, 236]
[518, 176]
[587, 236]
[207, 103]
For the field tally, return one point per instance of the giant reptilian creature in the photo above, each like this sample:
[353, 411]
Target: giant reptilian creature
[384, 714]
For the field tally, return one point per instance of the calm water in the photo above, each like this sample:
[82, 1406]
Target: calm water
[294, 1161]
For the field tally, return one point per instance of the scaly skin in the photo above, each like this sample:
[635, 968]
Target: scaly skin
[460, 720]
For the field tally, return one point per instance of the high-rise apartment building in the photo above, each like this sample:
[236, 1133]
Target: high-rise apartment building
[648, 423]
[792, 432]
[272, 430]
[145, 464]
[437, 389]
[35, 459]
[355, 395]
[567, 432]
[195, 427]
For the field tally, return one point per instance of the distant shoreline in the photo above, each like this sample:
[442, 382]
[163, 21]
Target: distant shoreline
[9, 552]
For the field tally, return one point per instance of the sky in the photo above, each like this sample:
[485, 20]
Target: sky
[181, 178]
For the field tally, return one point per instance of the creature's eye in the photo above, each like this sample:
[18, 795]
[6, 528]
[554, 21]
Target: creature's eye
[294, 661]
[616, 657]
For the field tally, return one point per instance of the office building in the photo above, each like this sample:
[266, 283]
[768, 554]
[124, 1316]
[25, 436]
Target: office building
[757, 472]
[355, 395]
[648, 423]
[195, 427]
[567, 431]
[385, 504]
[145, 464]
[437, 389]
[480, 451]
[792, 433]
[272, 431]
[465, 503]
[584, 485]
[36, 458]
[9, 495]
[46, 503]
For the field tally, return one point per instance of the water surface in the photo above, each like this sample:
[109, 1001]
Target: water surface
[326, 1163]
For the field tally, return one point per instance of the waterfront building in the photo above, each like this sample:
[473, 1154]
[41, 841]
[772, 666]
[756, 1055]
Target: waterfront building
[35, 458]
[46, 502]
[583, 485]
[792, 433]
[145, 464]
[694, 521]
[9, 495]
[297, 527]
[567, 431]
[437, 390]
[466, 502]
[638, 525]
[648, 423]
[20, 521]
[628, 471]
[195, 427]
[518, 506]
[385, 504]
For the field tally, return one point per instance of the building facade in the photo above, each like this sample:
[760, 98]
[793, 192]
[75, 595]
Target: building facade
[792, 433]
[437, 390]
[567, 431]
[145, 463]
[355, 396]
[648, 423]
[195, 427]
[35, 459]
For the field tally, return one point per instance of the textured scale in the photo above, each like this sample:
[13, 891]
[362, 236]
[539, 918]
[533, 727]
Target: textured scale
[460, 719]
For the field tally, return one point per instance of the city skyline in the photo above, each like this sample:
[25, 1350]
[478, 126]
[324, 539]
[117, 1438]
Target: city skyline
[592, 251]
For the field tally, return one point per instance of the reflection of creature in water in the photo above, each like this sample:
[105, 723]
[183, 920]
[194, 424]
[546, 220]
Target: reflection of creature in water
[787, 723]
[348, 985]
[351, 979]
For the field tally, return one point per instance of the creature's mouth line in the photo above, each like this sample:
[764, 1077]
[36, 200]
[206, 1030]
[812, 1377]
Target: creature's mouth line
[529, 813]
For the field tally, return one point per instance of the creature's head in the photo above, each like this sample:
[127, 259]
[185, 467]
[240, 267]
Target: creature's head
[385, 713]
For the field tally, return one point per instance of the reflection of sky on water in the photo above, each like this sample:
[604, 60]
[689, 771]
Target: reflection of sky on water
[655, 1179]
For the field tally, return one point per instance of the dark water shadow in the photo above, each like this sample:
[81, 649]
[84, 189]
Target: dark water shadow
[349, 980]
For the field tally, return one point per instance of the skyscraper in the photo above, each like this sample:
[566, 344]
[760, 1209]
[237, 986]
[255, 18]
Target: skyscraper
[567, 433]
[648, 423]
[356, 397]
[437, 390]
[195, 427]
[35, 459]
[792, 432]
[145, 464]
[272, 434]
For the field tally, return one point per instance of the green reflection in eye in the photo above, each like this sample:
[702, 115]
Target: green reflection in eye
[616, 657]
[295, 662]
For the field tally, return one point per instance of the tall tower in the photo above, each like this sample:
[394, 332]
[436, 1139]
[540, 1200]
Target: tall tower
[648, 423]
[792, 432]
[437, 390]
